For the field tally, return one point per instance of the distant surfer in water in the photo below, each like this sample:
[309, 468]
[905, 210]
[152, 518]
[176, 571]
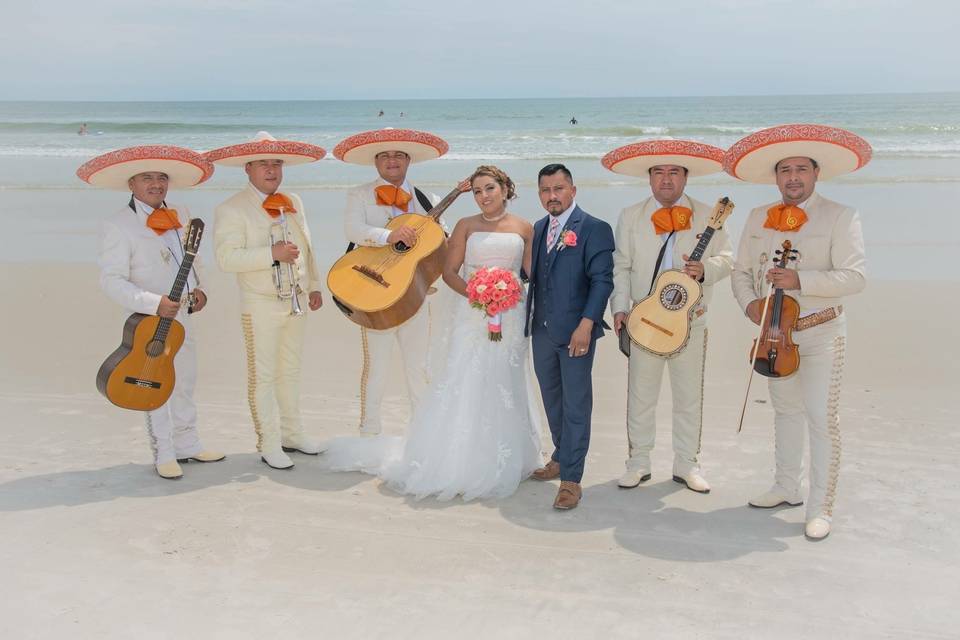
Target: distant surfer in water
[83, 130]
[573, 120]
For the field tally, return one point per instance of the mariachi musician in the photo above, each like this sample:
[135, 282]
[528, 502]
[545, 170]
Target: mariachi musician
[829, 265]
[261, 234]
[653, 235]
[369, 209]
[141, 249]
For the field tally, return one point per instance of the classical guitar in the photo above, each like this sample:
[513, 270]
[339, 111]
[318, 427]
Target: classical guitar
[139, 375]
[660, 323]
[383, 287]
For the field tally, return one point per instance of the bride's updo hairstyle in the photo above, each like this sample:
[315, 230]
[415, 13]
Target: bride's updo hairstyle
[499, 177]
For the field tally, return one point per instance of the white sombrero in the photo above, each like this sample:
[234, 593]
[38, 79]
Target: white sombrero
[836, 151]
[265, 147]
[638, 158]
[113, 170]
[363, 147]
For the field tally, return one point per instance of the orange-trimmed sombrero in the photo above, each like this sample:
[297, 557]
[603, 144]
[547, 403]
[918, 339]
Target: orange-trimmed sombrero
[184, 167]
[363, 147]
[836, 151]
[265, 147]
[638, 158]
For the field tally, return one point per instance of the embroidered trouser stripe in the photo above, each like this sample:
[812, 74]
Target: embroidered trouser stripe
[806, 408]
[247, 323]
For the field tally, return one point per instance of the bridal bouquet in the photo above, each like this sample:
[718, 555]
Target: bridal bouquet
[493, 290]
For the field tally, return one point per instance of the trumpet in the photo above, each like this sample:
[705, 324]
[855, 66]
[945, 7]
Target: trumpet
[286, 280]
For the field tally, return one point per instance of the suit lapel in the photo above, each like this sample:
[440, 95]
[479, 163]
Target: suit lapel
[538, 242]
[573, 223]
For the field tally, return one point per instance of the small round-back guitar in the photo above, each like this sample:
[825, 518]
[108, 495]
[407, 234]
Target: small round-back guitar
[660, 323]
[139, 375]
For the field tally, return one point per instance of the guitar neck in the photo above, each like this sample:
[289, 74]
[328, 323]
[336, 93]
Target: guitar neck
[176, 292]
[442, 206]
[701, 247]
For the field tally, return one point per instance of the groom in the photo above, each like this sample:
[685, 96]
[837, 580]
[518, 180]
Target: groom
[570, 281]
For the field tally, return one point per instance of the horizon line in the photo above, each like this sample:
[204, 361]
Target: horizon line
[433, 99]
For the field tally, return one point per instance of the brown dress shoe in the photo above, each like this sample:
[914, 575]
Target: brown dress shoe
[568, 497]
[549, 472]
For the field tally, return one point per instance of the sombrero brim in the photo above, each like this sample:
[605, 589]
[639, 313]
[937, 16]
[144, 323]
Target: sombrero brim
[638, 158]
[290, 151]
[836, 151]
[113, 170]
[362, 148]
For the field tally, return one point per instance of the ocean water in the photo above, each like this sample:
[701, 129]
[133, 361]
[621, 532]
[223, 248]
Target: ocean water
[915, 170]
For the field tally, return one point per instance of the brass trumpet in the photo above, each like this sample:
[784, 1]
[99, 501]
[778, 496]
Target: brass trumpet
[286, 280]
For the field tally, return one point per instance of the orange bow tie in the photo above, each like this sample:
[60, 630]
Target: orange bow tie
[672, 219]
[391, 196]
[277, 201]
[785, 217]
[162, 220]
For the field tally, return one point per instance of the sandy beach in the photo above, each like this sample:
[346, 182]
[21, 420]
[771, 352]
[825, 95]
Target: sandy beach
[96, 546]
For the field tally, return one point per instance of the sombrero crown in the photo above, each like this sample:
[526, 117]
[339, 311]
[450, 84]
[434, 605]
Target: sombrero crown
[362, 148]
[638, 158]
[113, 170]
[836, 151]
[265, 147]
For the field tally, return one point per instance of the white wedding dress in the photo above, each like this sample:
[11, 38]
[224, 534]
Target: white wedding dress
[475, 433]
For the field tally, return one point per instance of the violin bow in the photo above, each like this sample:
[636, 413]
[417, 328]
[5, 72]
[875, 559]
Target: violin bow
[753, 356]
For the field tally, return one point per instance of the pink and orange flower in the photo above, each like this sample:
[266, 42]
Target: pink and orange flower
[494, 290]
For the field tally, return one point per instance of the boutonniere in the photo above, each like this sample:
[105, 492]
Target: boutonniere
[567, 239]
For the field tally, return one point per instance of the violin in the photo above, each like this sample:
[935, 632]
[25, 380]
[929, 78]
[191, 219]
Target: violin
[774, 354]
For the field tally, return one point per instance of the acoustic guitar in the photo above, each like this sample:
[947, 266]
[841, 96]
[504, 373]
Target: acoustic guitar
[383, 287]
[660, 323]
[139, 375]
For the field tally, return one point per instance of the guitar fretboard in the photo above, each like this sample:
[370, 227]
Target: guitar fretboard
[176, 292]
[701, 247]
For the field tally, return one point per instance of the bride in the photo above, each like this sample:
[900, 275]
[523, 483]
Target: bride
[475, 433]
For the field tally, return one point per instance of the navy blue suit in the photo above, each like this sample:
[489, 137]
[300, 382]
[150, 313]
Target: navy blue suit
[566, 285]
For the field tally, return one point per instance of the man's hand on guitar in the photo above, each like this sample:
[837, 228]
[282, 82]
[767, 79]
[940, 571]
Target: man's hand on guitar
[693, 268]
[618, 320]
[404, 234]
[167, 308]
[199, 301]
[316, 300]
[465, 186]
[285, 252]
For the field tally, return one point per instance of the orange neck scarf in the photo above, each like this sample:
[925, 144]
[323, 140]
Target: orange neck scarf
[162, 220]
[391, 196]
[785, 217]
[277, 201]
[673, 219]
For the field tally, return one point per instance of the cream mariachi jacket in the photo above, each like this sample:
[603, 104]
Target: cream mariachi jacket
[831, 258]
[136, 265]
[365, 221]
[242, 243]
[638, 246]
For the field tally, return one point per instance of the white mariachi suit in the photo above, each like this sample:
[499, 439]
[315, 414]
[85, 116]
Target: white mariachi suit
[634, 260]
[365, 224]
[137, 268]
[831, 265]
[273, 337]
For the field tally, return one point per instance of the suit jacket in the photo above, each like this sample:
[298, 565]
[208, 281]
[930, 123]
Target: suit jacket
[136, 268]
[832, 262]
[365, 221]
[578, 279]
[242, 242]
[638, 246]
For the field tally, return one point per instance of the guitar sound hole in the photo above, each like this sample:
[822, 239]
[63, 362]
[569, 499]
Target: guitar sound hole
[400, 247]
[673, 297]
[154, 348]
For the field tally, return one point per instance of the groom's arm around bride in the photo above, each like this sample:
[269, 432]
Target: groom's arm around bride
[571, 280]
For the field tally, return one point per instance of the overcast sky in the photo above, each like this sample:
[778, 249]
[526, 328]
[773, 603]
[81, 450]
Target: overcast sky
[301, 49]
